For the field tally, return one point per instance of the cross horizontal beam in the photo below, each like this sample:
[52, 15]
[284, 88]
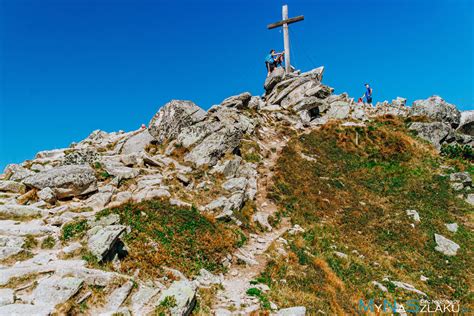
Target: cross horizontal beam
[287, 21]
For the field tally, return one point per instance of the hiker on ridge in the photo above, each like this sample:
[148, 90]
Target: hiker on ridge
[273, 60]
[368, 94]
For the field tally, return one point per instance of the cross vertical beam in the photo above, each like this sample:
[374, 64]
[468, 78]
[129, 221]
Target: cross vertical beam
[286, 37]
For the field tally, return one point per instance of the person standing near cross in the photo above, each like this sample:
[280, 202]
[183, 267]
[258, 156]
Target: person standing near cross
[273, 60]
[286, 37]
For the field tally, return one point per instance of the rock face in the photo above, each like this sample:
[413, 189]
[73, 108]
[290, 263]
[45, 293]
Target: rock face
[466, 125]
[137, 143]
[173, 117]
[65, 181]
[438, 110]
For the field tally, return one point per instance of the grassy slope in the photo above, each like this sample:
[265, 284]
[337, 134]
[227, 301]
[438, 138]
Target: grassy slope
[353, 198]
[174, 237]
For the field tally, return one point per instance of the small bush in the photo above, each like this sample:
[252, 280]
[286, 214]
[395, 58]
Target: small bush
[74, 230]
[458, 151]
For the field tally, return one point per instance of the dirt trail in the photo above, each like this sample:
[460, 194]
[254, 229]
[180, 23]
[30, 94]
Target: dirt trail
[237, 280]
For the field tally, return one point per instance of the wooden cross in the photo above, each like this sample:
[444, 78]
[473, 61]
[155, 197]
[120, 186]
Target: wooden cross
[286, 37]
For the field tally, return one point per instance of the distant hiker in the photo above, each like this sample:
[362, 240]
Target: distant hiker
[273, 60]
[368, 94]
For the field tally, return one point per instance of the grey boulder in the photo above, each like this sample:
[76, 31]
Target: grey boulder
[240, 101]
[275, 77]
[184, 294]
[104, 242]
[438, 110]
[173, 117]
[446, 246]
[65, 181]
[466, 125]
[435, 133]
[137, 143]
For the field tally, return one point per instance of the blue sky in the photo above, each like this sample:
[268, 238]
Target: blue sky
[70, 67]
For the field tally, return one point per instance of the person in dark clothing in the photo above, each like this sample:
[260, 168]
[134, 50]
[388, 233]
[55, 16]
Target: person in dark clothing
[368, 94]
[273, 60]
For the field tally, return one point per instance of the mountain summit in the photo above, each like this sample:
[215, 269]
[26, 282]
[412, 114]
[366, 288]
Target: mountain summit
[299, 201]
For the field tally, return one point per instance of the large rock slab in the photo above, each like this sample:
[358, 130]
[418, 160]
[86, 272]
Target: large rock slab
[10, 245]
[275, 77]
[435, 133]
[137, 143]
[141, 298]
[25, 309]
[16, 172]
[117, 169]
[34, 227]
[184, 293]
[446, 246]
[104, 241]
[6, 297]
[292, 311]
[438, 110]
[12, 186]
[240, 101]
[118, 296]
[65, 181]
[339, 110]
[173, 117]
[213, 147]
[21, 210]
[55, 290]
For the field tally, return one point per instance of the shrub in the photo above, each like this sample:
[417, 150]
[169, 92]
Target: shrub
[458, 151]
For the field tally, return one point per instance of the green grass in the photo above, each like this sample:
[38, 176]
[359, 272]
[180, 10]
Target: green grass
[48, 243]
[165, 235]
[74, 230]
[264, 302]
[354, 198]
[164, 307]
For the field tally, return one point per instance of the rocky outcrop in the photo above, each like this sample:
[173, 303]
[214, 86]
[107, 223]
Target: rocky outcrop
[65, 181]
[466, 124]
[173, 117]
[436, 132]
[438, 110]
